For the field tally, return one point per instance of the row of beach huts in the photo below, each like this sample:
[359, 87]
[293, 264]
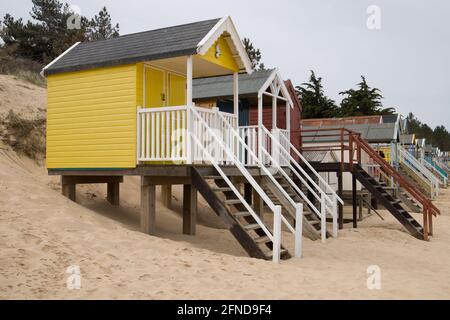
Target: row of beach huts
[182, 106]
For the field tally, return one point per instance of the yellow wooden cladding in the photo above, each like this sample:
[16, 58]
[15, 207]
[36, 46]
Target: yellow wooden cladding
[155, 91]
[91, 118]
[220, 54]
[177, 90]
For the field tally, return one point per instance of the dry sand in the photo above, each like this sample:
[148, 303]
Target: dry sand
[42, 233]
[23, 97]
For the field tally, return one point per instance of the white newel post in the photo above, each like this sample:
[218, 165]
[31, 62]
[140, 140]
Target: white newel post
[298, 229]
[276, 234]
[220, 133]
[236, 94]
[260, 129]
[323, 218]
[276, 146]
[190, 104]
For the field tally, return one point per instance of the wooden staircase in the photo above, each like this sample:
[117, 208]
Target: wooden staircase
[389, 201]
[311, 222]
[247, 231]
[409, 201]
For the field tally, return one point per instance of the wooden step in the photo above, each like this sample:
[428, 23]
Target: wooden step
[264, 239]
[213, 177]
[252, 226]
[232, 201]
[221, 189]
[241, 214]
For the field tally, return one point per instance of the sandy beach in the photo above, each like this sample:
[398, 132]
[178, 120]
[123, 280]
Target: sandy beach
[43, 233]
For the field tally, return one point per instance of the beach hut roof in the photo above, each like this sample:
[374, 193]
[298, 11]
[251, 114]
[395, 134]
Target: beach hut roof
[222, 87]
[176, 41]
[371, 132]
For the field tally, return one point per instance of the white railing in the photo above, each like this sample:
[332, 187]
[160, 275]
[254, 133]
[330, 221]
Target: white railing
[162, 134]
[274, 236]
[323, 192]
[250, 136]
[420, 170]
[297, 230]
[438, 174]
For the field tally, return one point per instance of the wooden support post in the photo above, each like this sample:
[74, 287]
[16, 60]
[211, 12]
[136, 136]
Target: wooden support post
[166, 195]
[425, 225]
[341, 207]
[68, 188]
[430, 223]
[258, 202]
[360, 200]
[354, 200]
[148, 207]
[113, 193]
[248, 193]
[189, 209]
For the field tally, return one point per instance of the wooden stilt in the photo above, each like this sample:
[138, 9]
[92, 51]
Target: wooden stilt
[341, 207]
[248, 193]
[354, 200]
[68, 188]
[189, 209]
[430, 223]
[148, 207]
[258, 204]
[113, 193]
[166, 195]
[425, 225]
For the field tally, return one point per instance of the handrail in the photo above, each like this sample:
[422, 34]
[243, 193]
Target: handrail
[310, 167]
[420, 170]
[346, 140]
[426, 203]
[324, 207]
[298, 206]
[276, 237]
[432, 165]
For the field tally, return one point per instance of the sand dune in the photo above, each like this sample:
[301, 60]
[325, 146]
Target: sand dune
[42, 233]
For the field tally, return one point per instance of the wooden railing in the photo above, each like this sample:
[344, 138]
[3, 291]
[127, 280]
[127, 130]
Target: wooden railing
[351, 147]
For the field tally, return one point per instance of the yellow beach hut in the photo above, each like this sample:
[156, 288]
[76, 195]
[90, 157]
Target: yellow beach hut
[124, 107]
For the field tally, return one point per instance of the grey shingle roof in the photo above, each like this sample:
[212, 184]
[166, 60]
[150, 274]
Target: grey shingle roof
[149, 45]
[390, 118]
[223, 86]
[406, 138]
[372, 132]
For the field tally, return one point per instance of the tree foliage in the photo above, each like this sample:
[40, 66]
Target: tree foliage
[438, 137]
[314, 101]
[363, 101]
[100, 26]
[254, 54]
[47, 35]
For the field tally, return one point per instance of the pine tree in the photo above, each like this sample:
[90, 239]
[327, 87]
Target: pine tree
[363, 101]
[100, 27]
[314, 102]
[254, 54]
[48, 34]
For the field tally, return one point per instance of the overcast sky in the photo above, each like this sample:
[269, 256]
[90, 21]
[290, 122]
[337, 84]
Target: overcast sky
[408, 58]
